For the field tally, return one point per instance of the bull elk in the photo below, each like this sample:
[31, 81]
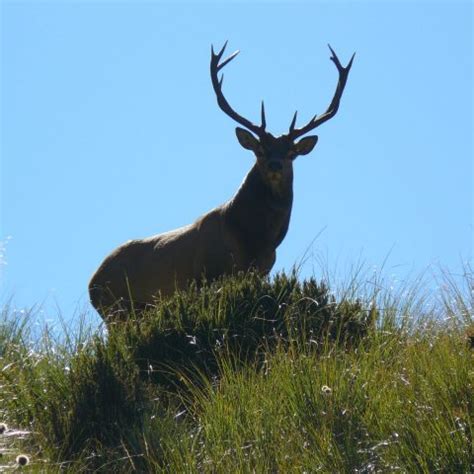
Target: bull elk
[241, 234]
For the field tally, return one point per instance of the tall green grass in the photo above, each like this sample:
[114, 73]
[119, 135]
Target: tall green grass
[250, 374]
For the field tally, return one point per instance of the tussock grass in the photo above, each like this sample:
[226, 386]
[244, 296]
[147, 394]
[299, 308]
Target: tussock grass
[249, 374]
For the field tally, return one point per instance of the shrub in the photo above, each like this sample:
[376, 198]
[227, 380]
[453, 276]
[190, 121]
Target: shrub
[245, 315]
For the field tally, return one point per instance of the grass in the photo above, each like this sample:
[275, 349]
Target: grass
[249, 374]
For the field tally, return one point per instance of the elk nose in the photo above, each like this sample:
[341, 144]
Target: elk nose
[275, 166]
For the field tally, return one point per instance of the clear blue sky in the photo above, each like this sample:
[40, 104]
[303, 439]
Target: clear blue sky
[110, 130]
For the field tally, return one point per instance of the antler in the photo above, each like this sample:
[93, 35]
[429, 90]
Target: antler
[333, 106]
[222, 101]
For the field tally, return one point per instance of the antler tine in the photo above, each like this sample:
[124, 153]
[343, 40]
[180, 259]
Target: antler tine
[264, 120]
[228, 60]
[333, 106]
[334, 58]
[293, 122]
[220, 53]
[216, 66]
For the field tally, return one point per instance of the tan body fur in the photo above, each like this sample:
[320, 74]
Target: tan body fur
[141, 270]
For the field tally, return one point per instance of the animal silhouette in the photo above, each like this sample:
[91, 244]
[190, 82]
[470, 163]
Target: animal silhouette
[241, 234]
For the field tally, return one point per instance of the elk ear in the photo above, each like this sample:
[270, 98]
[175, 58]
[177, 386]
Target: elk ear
[246, 139]
[306, 145]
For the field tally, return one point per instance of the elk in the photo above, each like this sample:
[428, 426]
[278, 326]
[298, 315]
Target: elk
[241, 234]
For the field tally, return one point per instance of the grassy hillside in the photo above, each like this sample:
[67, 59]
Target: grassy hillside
[249, 375]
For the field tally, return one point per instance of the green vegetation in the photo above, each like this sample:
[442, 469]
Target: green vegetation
[248, 374]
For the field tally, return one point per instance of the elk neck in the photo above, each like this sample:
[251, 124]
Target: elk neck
[259, 213]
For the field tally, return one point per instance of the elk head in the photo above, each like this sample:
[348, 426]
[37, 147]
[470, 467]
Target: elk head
[275, 155]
